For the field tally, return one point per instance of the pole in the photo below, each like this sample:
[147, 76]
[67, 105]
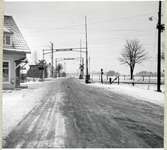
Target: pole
[118, 80]
[101, 75]
[52, 57]
[159, 50]
[43, 71]
[83, 67]
[43, 55]
[56, 68]
[80, 66]
[89, 65]
[87, 76]
[80, 53]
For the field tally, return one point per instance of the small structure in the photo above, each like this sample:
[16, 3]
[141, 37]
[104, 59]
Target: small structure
[14, 53]
[37, 71]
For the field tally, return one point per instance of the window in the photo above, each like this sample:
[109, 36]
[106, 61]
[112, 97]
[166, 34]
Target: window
[5, 71]
[7, 39]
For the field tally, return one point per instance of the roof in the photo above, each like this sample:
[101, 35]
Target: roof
[18, 42]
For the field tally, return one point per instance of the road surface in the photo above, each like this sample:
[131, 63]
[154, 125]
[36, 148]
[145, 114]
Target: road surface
[75, 115]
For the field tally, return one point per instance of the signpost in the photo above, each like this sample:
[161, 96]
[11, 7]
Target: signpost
[102, 76]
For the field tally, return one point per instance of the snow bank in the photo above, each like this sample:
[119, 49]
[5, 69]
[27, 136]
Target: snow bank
[17, 103]
[141, 94]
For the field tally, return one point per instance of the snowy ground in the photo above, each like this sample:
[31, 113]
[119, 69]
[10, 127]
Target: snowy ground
[137, 92]
[17, 103]
[69, 114]
[147, 84]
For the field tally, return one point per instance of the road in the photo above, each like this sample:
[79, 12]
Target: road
[75, 115]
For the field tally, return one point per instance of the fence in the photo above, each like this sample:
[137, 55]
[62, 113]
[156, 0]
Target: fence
[144, 82]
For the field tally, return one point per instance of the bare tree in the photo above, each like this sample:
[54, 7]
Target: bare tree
[133, 54]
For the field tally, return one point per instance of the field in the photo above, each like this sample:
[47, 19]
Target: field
[148, 83]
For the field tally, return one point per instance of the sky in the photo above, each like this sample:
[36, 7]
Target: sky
[109, 25]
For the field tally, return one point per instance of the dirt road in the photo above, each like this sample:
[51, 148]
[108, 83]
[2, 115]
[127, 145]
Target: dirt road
[75, 115]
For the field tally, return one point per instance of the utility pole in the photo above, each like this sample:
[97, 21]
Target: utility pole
[160, 28]
[52, 57]
[56, 67]
[80, 66]
[87, 74]
[80, 52]
[43, 54]
[89, 64]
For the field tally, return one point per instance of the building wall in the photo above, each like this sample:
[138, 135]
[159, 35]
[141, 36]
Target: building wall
[11, 57]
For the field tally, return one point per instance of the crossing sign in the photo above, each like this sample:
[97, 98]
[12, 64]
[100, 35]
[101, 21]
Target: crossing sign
[66, 49]
[69, 58]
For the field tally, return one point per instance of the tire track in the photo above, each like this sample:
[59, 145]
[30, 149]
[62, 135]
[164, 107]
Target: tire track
[98, 120]
[43, 127]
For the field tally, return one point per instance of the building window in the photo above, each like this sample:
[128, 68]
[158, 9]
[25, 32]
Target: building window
[8, 40]
[5, 71]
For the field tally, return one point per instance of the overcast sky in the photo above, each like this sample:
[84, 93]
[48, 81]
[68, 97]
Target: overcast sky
[110, 24]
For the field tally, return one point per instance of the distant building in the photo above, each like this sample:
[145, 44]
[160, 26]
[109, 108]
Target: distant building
[34, 71]
[15, 49]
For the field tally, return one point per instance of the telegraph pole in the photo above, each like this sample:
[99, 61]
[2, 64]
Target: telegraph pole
[56, 67]
[52, 57]
[80, 53]
[89, 64]
[159, 27]
[81, 64]
[87, 74]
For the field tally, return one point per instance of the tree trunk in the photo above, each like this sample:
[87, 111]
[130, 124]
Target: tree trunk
[131, 73]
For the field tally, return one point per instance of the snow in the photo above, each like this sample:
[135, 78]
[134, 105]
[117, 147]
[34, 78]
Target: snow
[17, 103]
[136, 92]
